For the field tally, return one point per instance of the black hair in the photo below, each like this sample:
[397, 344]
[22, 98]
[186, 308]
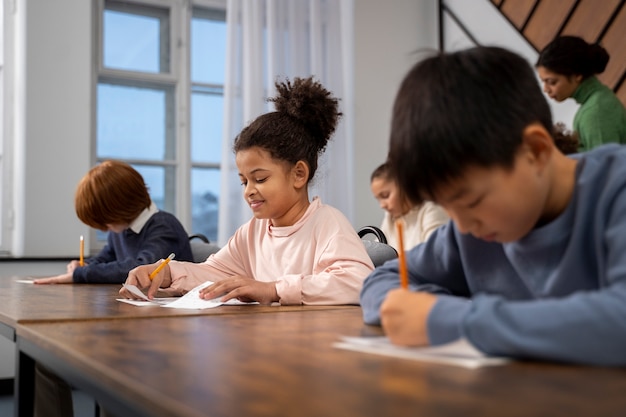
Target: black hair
[455, 110]
[305, 118]
[571, 55]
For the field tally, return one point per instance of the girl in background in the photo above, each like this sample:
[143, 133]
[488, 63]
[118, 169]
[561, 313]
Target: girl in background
[567, 67]
[420, 221]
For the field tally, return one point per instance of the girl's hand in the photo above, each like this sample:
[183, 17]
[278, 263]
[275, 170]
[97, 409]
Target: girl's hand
[242, 288]
[59, 279]
[404, 316]
[140, 278]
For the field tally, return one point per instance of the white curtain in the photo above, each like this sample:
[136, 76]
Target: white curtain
[270, 40]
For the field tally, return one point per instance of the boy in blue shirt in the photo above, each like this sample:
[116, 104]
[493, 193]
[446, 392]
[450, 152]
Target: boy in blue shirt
[533, 262]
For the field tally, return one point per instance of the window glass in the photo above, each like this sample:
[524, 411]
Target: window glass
[206, 127]
[131, 122]
[136, 41]
[208, 46]
[205, 185]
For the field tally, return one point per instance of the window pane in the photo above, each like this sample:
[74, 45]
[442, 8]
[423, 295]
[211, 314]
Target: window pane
[136, 39]
[205, 185]
[208, 47]
[206, 127]
[132, 123]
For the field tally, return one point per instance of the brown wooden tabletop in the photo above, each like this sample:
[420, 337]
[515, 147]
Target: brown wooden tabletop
[284, 364]
[21, 302]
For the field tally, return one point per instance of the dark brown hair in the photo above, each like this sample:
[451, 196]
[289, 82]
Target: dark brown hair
[564, 139]
[112, 192]
[305, 118]
[571, 55]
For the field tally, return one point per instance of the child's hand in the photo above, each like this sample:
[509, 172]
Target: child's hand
[59, 279]
[72, 266]
[140, 277]
[404, 316]
[242, 288]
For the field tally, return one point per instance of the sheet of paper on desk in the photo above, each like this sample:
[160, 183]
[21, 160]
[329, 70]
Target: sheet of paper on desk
[191, 300]
[460, 352]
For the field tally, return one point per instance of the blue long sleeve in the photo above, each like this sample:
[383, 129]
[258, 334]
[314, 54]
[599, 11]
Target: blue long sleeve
[558, 294]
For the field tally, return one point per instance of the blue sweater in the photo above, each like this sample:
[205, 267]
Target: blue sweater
[557, 294]
[161, 235]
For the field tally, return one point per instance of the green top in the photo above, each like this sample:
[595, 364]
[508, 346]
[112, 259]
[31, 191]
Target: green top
[601, 117]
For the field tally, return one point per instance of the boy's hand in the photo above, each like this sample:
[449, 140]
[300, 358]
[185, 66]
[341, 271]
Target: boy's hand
[242, 288]
[72, 266]
[140, 277]
[404, 316]
[59, 279]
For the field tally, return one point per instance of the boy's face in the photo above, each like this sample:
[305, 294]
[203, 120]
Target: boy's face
[495, 204]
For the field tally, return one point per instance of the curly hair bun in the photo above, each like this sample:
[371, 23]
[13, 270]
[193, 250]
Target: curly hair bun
[310, 104]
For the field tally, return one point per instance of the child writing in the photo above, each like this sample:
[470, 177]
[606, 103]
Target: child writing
[293, 251]
[420, 220]
[532, 264]
[113, 196]
[567, 67]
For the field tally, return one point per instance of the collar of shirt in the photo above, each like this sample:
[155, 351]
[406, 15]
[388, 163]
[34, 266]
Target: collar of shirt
[143, 218]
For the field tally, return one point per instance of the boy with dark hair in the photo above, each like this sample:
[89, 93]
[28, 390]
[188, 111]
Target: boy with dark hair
[533, 263]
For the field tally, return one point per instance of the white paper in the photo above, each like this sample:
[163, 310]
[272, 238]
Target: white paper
[460, 352]
[191, 300]
[25, 281]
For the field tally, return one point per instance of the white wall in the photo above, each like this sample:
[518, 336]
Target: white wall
[489, 27]
[387, 35]
[52, 125]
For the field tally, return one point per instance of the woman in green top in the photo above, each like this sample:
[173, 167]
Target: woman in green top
[567, 68]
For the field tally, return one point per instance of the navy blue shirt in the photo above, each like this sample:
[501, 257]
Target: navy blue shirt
[161, 235]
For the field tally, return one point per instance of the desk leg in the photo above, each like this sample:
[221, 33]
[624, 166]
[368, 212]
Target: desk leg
[24, 385]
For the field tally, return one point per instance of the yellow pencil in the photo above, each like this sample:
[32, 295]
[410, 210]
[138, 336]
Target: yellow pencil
[161, 266]
[81, 260]
[404, 277]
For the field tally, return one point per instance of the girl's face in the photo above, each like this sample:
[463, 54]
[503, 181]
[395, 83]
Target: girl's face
[389, 197]
[273, 189]
[558, 87]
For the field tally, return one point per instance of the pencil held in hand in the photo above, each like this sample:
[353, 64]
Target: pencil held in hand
[161, 266]
[404, 277]
[81, 260]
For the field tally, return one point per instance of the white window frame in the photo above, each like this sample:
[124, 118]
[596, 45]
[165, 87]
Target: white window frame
[178, 78]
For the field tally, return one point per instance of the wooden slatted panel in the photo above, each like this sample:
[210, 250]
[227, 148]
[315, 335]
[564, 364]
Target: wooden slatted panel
[517, 11]
[589, 19]
[621, 93]
[614, 42]
[546, 21]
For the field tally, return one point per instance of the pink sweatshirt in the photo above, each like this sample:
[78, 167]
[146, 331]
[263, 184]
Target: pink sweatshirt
[318, 260]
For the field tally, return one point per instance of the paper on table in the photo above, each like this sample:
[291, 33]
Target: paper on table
[190, 300]
[460, 352]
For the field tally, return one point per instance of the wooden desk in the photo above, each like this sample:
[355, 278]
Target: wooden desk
[29, 303]
[21, 303]
[284, 364]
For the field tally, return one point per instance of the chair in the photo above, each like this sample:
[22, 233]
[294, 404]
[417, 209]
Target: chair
[201, 247]
[378, 250]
